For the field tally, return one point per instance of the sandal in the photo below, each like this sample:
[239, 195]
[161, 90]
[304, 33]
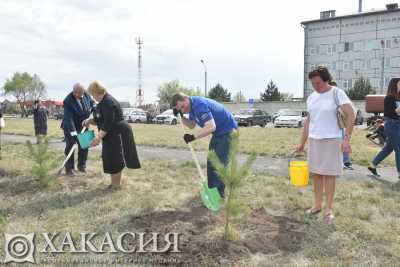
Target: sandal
[329, 217]
[313, 211]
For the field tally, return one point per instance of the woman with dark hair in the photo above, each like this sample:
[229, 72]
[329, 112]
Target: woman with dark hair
[392, 127]
[326, 143]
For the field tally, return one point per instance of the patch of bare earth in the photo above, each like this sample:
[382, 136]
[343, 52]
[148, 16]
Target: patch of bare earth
[201, 232]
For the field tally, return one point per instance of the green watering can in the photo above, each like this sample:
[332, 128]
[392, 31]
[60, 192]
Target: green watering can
[85, 139]
[209, 196]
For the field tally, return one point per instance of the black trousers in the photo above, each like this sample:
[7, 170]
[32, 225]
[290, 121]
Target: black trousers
[82, 154]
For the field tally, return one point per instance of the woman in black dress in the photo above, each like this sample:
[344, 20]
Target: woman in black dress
[119, 148]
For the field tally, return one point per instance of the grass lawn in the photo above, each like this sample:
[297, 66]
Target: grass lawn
[265, 141]
[163, 197]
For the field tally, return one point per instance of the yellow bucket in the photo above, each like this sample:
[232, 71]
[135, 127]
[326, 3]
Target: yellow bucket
[298, 172]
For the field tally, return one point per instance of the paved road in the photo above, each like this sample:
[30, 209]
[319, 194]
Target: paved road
[268, 164]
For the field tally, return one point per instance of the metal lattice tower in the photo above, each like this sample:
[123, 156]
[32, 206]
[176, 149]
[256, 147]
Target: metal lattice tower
[139, 91]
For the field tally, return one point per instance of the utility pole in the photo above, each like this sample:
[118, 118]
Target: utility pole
[205, 77]
[359, 6]
[383, 67]
[139, 91]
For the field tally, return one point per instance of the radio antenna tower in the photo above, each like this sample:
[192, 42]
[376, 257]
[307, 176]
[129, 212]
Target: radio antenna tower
[139, 91]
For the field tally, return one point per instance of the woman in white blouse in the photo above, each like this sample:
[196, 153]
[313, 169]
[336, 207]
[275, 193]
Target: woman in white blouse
[325, 137]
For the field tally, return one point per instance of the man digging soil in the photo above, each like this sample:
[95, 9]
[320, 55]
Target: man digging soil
[213, 119]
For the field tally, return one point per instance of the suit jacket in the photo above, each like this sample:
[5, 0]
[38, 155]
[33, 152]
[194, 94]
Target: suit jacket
[75, 114]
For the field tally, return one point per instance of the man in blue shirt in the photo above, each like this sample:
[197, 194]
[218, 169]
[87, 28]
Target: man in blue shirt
[212, 118]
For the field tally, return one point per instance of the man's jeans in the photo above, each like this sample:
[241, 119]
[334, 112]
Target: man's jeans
[82, 154]
[221, 145]
[392, 142]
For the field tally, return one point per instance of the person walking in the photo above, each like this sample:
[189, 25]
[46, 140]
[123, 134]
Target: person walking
[391, 127]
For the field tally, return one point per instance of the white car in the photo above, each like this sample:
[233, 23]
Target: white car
[290, 118]
[134, 115]
[166, 117]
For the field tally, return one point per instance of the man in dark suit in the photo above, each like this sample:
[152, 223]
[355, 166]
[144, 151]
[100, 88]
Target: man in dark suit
[77, 107]
[40, 115]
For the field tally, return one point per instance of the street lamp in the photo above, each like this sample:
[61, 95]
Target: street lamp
[205, 77]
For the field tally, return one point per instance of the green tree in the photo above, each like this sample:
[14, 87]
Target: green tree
[361, 88]
[44, 161]
[233, 177]
[271, 93]
[219, 93]
[24, 87]
[167, 90]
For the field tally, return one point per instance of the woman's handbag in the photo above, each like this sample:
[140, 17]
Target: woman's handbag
[340, 115]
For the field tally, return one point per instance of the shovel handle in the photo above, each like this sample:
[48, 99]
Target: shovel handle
[196, 161]
[75, 146]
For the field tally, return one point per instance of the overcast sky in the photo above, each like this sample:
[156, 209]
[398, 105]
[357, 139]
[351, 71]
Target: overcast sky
[244, 43]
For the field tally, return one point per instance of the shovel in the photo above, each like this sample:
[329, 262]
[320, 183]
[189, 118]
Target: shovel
[74, 147]
[210, 196]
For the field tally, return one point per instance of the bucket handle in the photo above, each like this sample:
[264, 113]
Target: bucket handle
[294, 154]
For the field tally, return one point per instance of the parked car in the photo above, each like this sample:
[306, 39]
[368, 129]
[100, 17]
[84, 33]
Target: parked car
[277, 114]
[134, 115]
[290, 118]
[250, 117]
[166, 117]
[359, 118]
[138, 116]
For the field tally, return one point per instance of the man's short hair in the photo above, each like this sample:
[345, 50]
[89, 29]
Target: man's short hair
[177, 97]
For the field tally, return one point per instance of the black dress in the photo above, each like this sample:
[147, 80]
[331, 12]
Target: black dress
[119, 148]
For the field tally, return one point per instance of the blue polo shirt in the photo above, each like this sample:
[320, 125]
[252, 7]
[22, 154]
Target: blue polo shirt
[205, 109]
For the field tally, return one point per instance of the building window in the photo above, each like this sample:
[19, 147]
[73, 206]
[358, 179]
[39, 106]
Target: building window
[331, 49]
[313, 50]
[395, 62]
[371, 44]
[387, 62]
[388, 44]
[387, 81]
[348, 46]
[359, 46]
[312, 67]
[368, 64]
[358, 64]
[375, 82]
[347, 84]
[346, 65]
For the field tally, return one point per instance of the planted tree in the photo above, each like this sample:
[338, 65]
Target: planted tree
[271, 93]
[219, 93]
[233, 176]
[44, 161]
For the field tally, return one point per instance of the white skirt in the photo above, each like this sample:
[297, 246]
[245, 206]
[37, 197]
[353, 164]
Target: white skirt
[325, 156]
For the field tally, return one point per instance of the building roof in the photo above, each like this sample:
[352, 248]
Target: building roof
[366, 13]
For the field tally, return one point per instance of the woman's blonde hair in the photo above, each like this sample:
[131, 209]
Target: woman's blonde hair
[97, 88]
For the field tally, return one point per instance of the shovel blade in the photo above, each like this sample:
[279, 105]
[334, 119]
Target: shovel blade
[210, 197]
